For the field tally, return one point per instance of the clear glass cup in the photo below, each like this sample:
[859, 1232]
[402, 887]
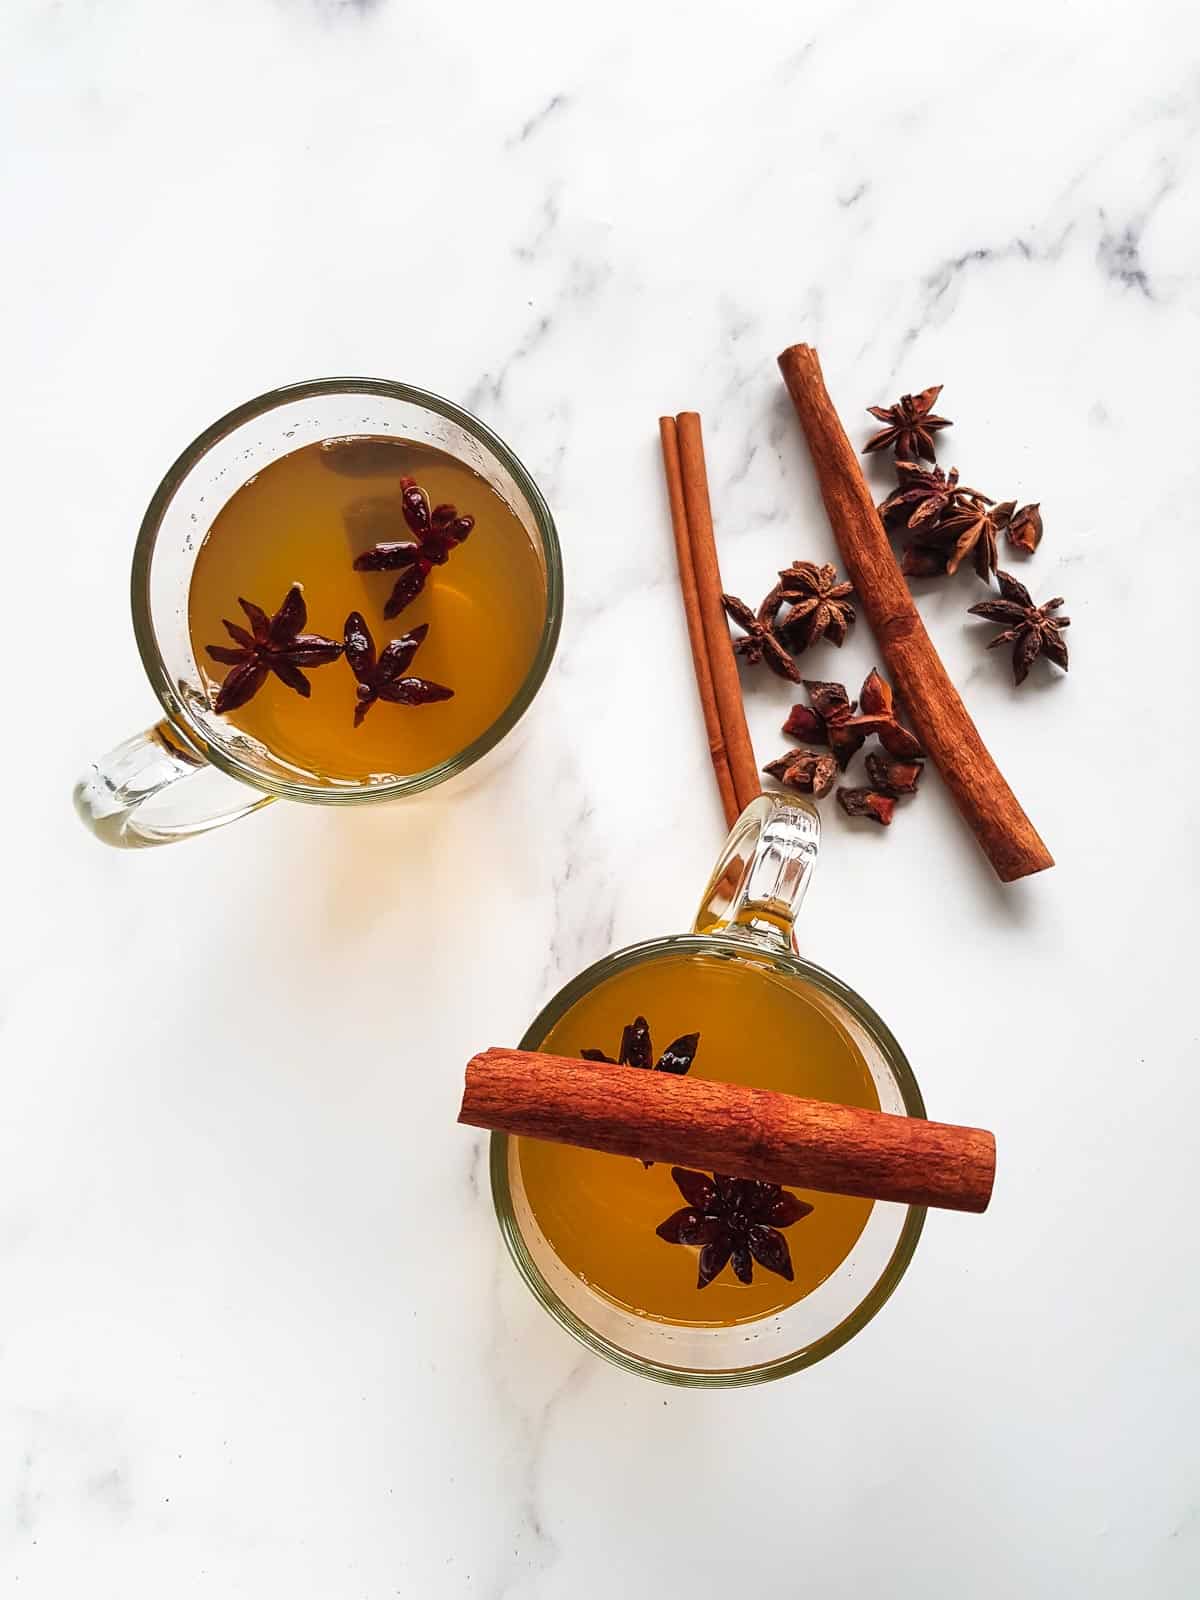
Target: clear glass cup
[747, 914]
[193, 771]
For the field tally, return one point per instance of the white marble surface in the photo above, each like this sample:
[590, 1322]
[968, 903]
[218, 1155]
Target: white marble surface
[257, 1334]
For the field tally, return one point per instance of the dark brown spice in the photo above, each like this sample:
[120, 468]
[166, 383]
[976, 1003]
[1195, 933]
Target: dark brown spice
[762, 642]
[923, 495]
[1032, 630]
[968, 529]
[274, 644]
[381, 676]
[1024, 531]
[735, 1220]
[867, 803]
[819, 603]
[911, 425]
[637, 1050]
[806, 771]
[892, 777]
[826, 721]
[437, 532]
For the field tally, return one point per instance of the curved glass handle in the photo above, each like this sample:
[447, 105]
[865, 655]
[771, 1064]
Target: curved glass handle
[762, 876]
[154, 789]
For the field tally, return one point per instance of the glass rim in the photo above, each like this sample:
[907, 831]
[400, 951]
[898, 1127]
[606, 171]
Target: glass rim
[176, 708]
[880, 1291]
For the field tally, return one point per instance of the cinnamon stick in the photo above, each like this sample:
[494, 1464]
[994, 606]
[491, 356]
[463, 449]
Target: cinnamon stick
[728, 1128]
[727, 688]
[942, 723]
[695, 626]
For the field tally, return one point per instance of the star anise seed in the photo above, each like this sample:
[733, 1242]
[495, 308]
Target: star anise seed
[637, 1051]
[273, 644]
[1024, 532]
[911, 425]
[819, 605]
[761, 643]
[1032, 630]
[806, 771]
[734, 1220]
[923, 494]
[382, 676]
[437, 532]
[867, 803]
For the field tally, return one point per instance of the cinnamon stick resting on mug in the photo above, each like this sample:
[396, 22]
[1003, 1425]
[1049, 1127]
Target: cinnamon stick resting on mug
[730, 1129]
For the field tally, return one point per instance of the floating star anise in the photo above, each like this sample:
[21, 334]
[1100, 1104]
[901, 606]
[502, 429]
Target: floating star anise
[637, 1051]
[830, 719]
[735, 1220]
[381, 677]
[438, 532]
[911, 425]
[924, 494]
[273, 644]
[819, 605]
[1032, 630]
[761, 643]
[1024, 531]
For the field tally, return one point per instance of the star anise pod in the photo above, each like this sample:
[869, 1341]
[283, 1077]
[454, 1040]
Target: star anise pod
[831, 720]
[1024, 531]
[437, 532]
[867, 803]
[761, 643]
[1032, 630]
[911, 425]
[806, 771]
[969, 529]
[382, 676]
[819, 605]
[273, 644]
[637, 1051]
[735, 1220]
[923, 494]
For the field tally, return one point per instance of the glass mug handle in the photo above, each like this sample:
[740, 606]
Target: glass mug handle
[763, 873]
[155, 788]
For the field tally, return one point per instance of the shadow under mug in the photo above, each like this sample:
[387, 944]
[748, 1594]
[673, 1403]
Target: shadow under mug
[747, 915]
[193, 771]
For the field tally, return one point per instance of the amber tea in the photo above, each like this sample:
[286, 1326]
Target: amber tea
[680, 1250]
[365, 608]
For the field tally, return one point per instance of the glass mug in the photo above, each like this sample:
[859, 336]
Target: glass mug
[193, 771]
[747, 915]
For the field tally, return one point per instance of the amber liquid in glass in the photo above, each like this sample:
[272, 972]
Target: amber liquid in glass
[299, 521]
[599, 1212]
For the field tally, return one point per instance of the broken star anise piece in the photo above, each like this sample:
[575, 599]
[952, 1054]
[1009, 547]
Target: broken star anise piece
[819, 605]
[1032, 630]
[831, 720]
[877, 715]
[1024, 531]
[273, 644]
[437, 532]
[924, 494]
[637, 1051]
[735, 1220]
[890, 777]
[382, 676]
[826, 720]
[911, 425]
[761, 642]
[867, 803]
[969, 529]
[806, 771]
